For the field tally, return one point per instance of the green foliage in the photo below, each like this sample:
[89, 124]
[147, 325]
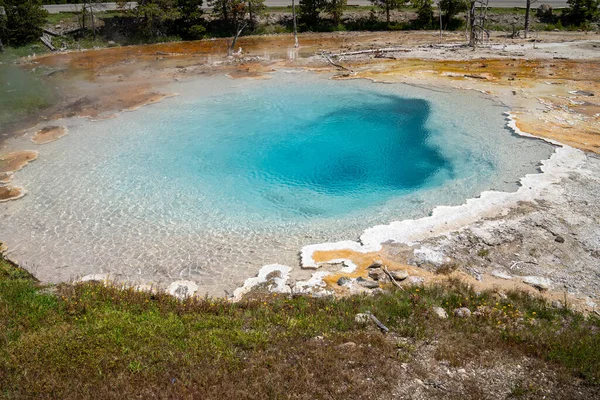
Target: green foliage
[22, 22]
[387, 6]
[450, 8]
[155, 16]
[581, 12]
[335, 8]
[190, 22]
[424, 10]
[309, 11]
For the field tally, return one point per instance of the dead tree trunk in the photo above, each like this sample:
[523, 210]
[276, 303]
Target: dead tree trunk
[440, 11]
[527, 14]
[528, 7]
[1, 47]
[235, 38]
[472, 24]
[296, 45]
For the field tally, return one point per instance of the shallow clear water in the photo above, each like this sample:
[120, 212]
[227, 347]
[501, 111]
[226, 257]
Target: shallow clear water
[234, 174]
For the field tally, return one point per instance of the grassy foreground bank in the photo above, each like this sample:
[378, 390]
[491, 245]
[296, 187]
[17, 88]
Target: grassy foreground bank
[91, 341]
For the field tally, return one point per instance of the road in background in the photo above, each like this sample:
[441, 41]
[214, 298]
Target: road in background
[58, 8]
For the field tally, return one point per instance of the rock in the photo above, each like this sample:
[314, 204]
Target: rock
[501, 275]
[582, 93]
[440, 312]
[343, 281]
[376, 264]
[559, 239]
[111, 43]
[415, 280]
[367, 283]
[544, 11]
[462, 312]
[98, 278]
[347, 345]
[362, 318]
[376, 274]
[538, 282]
[182, 289]
[557, 304]
[399, 275]
[590, 303]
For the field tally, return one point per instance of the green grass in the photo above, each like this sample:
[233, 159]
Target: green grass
[87, 340]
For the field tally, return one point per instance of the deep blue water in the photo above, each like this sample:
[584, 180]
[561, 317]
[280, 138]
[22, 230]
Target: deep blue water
[321, 155]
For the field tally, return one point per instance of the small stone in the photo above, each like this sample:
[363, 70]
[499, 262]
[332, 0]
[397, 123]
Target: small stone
[347, 345]
[559, 239]
[399, 275]
[462, 312]
[462, 371]
[501, 275]
[590, 303]
[440, 312]
[557, 304]
[376, 274]
[343, 281]
[367, 283]
[182, 289]
[376, 264]
[538, 282]
[362, 318]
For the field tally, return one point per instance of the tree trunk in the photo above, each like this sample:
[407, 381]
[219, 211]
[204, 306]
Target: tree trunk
[472, 38]
[235, 38]
[528, 7]
[1, 47]
[83, 8]
[440, 11]
[250, 15]
[296, 45]
[387, 13]
[93, 20]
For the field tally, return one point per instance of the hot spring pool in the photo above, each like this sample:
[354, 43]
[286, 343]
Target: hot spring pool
[235, 174]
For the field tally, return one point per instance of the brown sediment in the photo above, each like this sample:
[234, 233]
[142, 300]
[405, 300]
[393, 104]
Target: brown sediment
[540, 91]
[12, 162]
[10, 193]
[144, 99]
[395, 263]
[102, 82]
[49, 134]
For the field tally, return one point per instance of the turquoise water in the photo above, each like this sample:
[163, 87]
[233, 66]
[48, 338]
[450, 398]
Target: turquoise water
[344, 150]
[235, 174]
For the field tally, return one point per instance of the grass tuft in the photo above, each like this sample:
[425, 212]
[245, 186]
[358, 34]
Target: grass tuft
[88, 340]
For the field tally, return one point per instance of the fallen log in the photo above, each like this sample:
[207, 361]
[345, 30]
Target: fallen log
[337, 65]
[47, 42]
[391, 277]
[383, 50]
[380, 325]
